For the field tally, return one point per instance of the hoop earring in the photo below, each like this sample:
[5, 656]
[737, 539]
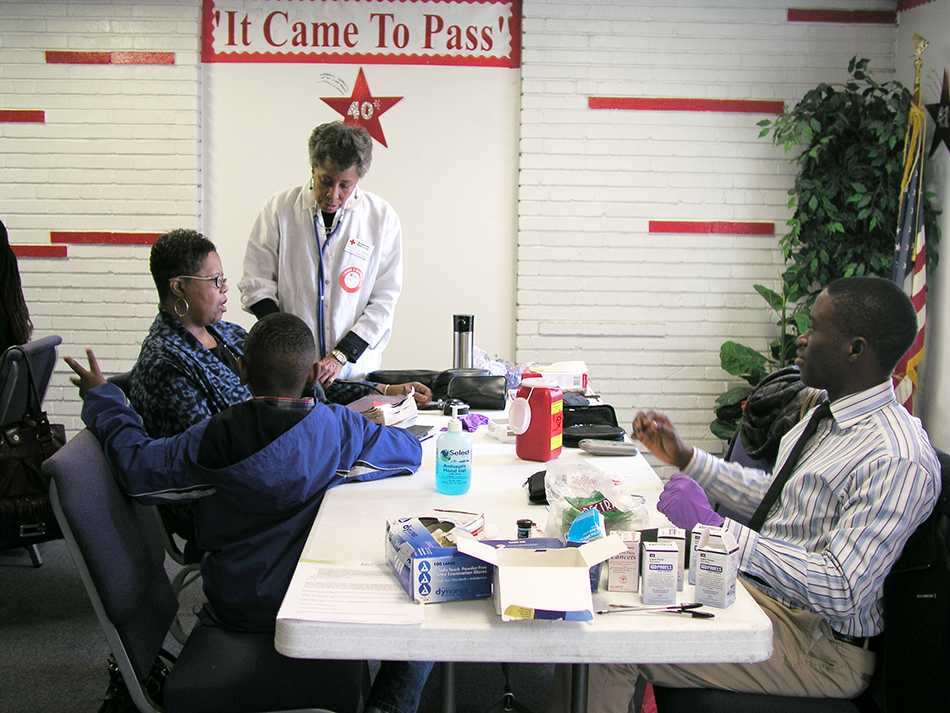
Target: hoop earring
[182, 313]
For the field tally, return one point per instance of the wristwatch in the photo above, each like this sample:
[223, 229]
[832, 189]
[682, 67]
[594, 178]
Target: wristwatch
[339, 356]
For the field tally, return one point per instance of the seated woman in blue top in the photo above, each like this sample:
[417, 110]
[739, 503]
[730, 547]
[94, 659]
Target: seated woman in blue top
[187, 368]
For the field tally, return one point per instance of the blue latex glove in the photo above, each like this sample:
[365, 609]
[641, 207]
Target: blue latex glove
[684, 502]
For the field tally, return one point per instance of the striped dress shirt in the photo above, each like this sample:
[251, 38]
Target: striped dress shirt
[865, 481]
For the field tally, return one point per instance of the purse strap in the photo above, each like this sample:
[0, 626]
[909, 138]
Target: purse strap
[33, 403]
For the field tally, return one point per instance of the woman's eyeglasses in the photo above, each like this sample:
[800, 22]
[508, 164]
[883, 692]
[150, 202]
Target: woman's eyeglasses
[218, 280]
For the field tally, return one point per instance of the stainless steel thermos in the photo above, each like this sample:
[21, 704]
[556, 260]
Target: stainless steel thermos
[463, 341]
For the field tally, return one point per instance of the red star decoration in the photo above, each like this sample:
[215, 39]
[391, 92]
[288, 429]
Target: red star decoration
[361, 108]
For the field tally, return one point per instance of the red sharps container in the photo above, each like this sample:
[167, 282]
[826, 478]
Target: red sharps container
[536, 415]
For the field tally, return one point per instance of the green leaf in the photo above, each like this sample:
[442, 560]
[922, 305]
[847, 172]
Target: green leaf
[763, 132]
[813, 203]
[742, 361]
[723, 430]
[802, 322]
[735, 395]
[775, 300]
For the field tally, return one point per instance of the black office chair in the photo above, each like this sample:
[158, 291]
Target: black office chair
[116, 546]
[15, 393]
[911, 609]
[14, 384]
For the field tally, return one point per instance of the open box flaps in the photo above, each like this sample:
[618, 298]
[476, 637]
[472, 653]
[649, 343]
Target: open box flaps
[543, 583]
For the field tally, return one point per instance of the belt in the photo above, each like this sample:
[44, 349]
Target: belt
[862, 642]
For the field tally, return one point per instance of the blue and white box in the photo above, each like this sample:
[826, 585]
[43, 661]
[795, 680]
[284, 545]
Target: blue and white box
[717, 568]
[431, 572]
[659, 563]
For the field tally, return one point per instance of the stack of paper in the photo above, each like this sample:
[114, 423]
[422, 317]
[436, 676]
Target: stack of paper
[387, 410]
[359, 593]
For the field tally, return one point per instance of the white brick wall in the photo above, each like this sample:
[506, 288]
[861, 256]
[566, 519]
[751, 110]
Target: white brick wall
[119, 152]
[649, 312]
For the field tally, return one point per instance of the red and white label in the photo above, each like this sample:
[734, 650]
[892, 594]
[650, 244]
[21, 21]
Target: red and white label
[351, 279]
[484, 33]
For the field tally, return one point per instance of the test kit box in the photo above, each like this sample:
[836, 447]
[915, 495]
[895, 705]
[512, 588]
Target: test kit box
[659, 565]
[541, 582]
[623, 569]
[678, 537]
[430, 571]
[694, 537]
[717, 568]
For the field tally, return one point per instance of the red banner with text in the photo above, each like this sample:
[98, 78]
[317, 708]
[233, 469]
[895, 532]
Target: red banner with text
[481, 33]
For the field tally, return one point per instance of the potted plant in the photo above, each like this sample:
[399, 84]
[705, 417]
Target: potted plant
[849, 141]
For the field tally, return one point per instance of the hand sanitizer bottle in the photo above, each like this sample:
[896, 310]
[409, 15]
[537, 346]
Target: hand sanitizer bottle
[453, 459]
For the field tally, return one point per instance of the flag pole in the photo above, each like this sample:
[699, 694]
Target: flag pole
[910, 260]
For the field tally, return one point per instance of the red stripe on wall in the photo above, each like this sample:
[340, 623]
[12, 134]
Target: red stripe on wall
[23, 116]
[101, 238]
[59, 57]
[752, 106]
[39, 250]
[866, 17]
[712, 226]
[910, 4]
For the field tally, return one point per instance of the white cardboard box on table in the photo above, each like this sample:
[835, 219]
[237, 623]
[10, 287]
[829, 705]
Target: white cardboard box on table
[543, 583]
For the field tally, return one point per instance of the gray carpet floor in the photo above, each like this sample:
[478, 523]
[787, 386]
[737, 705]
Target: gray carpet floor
[53, 654]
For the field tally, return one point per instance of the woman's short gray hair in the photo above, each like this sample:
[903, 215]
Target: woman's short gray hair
[343, 145]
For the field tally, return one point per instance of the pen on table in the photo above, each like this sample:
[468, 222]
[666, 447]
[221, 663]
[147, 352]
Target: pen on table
[674, 609]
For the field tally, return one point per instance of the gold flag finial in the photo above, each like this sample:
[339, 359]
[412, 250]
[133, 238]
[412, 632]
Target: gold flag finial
[920, 44]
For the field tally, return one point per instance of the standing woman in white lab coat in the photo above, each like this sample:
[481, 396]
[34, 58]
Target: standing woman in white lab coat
[330, 253]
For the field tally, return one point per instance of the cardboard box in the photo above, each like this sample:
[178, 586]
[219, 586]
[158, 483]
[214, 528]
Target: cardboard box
[695, 535]
[678, 537]
[623, 569]
[543, 583]
[718, 567]
[659, 562]
[431, 572]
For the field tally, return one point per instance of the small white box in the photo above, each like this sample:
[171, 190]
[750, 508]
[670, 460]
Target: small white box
[718, 560]
[623, 569]
[543, 583]
[678, 537]
[695, 535]
[660, 561]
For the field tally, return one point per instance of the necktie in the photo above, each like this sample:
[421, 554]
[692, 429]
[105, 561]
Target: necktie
[775, 489]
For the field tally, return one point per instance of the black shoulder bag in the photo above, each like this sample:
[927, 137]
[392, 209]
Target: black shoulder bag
[25, 513]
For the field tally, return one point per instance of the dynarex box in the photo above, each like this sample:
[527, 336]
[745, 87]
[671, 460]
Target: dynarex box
[718, 567]
[623, 569]
[659, 563]
[678, 538]
[431, 572]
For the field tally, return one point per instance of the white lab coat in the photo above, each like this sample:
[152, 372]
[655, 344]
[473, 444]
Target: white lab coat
[362, 268]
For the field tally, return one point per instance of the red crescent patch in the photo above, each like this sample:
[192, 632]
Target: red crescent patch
[351, 279]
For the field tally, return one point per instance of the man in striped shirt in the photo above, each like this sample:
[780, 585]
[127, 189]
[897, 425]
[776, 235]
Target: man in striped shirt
[864, 481]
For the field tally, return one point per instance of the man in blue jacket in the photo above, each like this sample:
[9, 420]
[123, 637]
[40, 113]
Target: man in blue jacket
[258, 473]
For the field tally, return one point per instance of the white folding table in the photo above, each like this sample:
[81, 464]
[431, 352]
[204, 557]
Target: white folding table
[350, 527]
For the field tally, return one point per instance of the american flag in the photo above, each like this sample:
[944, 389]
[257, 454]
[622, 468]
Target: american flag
[910, 258]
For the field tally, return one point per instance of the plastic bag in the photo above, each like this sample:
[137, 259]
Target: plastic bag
[575, 487]
[497, 366]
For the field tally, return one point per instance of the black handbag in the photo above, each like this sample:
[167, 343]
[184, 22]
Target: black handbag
[25, 513]
[599, 421]
[481, 392]
[440, 387]
[403, 376]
